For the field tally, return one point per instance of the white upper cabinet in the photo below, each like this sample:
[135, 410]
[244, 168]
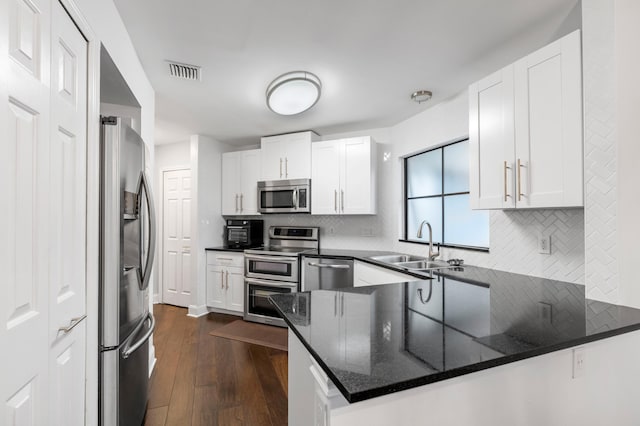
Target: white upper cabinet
[287, 156]
[525, 131]
[240, 175]
[343, 176]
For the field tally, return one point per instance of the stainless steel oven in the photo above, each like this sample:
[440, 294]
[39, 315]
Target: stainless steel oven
[284, 196]
[258, 307]
[274, 270]
[281, 268]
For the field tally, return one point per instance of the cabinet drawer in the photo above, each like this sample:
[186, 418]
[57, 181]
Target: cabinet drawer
[225, 258]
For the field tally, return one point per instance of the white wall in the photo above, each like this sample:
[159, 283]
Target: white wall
[611, 92]
[207, 222]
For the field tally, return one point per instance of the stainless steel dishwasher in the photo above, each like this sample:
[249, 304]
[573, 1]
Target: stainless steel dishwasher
[323, 273]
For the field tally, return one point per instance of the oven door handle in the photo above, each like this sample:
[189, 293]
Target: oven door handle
[278, 259]
[270, 283]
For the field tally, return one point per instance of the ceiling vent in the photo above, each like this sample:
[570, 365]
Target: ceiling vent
[184, 71]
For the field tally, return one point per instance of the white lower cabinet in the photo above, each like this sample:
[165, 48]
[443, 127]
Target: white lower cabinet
[225, 281]
[366, 274]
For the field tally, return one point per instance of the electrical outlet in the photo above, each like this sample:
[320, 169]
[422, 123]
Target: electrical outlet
[332, 230]
[579, 363]
[544, 244]
[544, 312]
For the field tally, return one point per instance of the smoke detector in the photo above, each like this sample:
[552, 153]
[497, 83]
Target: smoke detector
[184, 71]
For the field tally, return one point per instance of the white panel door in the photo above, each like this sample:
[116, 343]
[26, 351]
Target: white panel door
[548, 126]
[235, 289]
[231, 183]
[176, 271]
[67, 219]
[325, 177]
[24, 217]
[250, 173]
[356, 195]
[491, 141]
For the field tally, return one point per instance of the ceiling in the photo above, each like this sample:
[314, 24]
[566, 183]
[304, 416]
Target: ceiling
[370, 55]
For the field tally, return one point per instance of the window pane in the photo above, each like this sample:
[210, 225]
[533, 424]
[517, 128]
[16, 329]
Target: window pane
[424, 174]
[456, 167]
[464, 226]
[429, 209]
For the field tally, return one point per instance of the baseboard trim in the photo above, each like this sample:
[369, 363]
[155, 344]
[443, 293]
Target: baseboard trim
[156, 299]
[197, 311]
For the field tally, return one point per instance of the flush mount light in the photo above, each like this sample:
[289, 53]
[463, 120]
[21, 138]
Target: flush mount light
[293, 92]
[421, 96]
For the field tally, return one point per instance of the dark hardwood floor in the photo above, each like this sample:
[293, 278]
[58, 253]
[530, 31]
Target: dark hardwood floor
[201, 379]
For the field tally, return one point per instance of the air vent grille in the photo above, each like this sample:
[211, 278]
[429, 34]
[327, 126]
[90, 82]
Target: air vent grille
[184, 71]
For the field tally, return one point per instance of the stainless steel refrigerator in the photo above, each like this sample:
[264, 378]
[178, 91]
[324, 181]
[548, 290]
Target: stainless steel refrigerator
[127, 246]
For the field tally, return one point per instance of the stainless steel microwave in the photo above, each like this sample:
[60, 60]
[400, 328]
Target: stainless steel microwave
[284, 196]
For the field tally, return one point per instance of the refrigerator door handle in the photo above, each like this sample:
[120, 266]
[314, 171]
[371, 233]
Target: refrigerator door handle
[129, 349]
[146, 273]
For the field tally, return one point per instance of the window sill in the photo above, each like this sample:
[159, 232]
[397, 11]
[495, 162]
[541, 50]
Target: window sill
[480, 249]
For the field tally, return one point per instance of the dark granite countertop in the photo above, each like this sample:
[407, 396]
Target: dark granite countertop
[237, 250]
[372, 341]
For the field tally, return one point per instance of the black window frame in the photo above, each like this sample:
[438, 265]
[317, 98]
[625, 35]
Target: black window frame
[442, 195]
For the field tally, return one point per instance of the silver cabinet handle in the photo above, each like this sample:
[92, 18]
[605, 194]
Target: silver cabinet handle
[286, 167]
[335, 200]
[72, 324]
[342, 199]
[335, 305]
[222, 280]
[342, 305]
[227, 280]
[236, 203]
[241, 197]
[520, 166]
[328, 265]
[128, 350]
[281, 167]
[151, 249]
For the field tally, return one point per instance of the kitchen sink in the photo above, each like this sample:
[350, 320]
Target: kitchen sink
[397, 258]
[422, 265]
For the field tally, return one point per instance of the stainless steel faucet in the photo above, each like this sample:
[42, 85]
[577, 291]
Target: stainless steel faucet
[432, 254]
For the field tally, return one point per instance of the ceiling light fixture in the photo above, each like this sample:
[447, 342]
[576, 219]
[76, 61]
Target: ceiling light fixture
[293, 92]
[421, 96]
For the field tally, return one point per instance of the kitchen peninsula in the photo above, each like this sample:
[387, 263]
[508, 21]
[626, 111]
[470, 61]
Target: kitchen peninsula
[469, 346]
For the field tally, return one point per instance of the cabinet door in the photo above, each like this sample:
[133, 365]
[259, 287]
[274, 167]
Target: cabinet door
[250, 173]
[235, 289]
[548, 126]
[216, 292]
[357, 177]
[324, 309]
[231, 183]
[297, 156]
[325, 177]
[491, 141]
[273, 161]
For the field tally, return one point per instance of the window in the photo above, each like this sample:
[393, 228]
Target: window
[437, 190]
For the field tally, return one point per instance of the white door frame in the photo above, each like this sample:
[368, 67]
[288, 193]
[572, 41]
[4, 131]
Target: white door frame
[159, 298]
[93, 207]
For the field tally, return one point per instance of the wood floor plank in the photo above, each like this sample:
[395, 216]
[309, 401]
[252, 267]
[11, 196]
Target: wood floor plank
[274, 394]
[155, 416]
[280, 362]
[252, 398]
[205, 406]
[232, 416]
[181, 404]
[201, 379]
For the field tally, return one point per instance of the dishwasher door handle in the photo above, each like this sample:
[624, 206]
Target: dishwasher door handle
[329, 265]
